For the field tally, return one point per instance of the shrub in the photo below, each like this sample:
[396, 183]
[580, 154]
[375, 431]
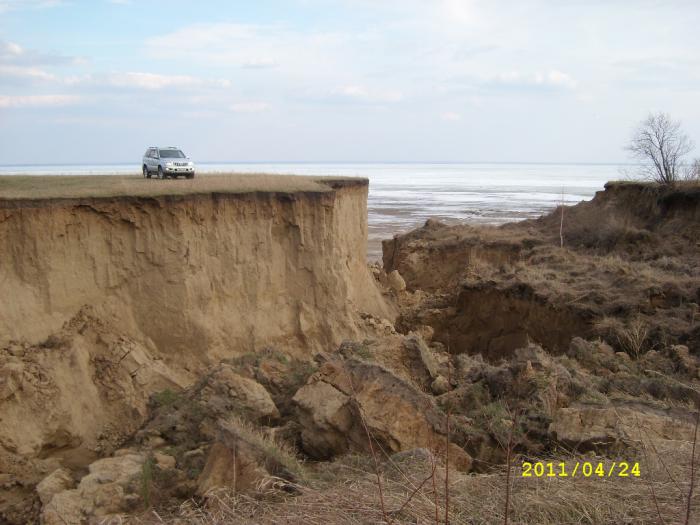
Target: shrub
[166, 398]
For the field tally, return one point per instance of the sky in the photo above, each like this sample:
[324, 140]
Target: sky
[342, 81]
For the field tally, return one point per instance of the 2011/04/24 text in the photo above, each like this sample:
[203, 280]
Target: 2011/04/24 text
[585, 469]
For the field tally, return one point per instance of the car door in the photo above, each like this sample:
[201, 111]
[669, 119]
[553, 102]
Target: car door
[155, 158]
[147, 159]
[152, 165]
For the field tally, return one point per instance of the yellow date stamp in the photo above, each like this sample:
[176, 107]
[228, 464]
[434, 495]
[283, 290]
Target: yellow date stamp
[581, 469]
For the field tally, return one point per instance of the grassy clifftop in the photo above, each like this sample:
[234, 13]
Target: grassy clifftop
[14, 187]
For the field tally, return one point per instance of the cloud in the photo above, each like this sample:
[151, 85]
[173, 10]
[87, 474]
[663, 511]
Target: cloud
[359, 93]
[243, 45]
[514, 80]
[450, 116]
[152, 81]
[259, 63]
[25, 73]
[254, 46]
[144, 81]
[12, 5]
[29, 101]
[13, 53]
[249, 107]
[457, 11]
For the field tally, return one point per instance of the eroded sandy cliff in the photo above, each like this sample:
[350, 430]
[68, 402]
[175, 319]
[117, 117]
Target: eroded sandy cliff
[210, 275]
[106, 300]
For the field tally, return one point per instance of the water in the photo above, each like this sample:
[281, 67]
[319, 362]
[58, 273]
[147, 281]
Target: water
[403, 196]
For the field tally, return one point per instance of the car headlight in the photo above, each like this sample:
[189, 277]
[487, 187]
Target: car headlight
[190, 164]
[168, 164]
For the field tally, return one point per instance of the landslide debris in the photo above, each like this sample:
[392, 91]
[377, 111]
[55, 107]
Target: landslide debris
[349, 400]
[73, 398]
[627, 272]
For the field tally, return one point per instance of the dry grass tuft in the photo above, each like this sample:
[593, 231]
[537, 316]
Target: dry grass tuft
[345, 493]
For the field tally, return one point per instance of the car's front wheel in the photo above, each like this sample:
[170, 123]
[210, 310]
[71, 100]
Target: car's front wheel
[160, 172]
[190, 175]
[146, 173]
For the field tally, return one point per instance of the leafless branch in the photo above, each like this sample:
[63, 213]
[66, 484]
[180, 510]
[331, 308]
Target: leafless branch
[661, 145]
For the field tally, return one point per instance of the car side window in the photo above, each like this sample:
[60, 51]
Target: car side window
[150, 153]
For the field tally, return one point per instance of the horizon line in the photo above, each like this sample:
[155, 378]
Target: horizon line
[339, 162]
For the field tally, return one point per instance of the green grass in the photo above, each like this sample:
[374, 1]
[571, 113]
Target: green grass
[166, 398]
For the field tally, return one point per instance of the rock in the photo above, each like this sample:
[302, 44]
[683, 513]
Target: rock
[196, 452]
[240, 460]
[18, 350]
[386, 326]
[425, 331]
[63, 508]
[289, 433]
[164, 461]
[272, 372]
[156, 442]
[325, 418]
[10, 379]
[345, 395]
[419, 352]
[601, 429]
[585, 428]
[58, 481]
[110, 488]
[440, 386]
[420, 454]
[225, 391]
[395, 281]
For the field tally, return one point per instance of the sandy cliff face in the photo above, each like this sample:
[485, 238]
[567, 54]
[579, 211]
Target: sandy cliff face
[208, 275]
[108, 300]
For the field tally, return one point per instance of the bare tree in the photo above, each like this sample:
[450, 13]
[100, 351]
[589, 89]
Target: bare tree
[661, 145]
[693, 172]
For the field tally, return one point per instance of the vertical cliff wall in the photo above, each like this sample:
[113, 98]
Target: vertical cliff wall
[207, 275]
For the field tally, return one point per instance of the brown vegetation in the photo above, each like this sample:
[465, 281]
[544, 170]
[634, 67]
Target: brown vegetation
[14, 187]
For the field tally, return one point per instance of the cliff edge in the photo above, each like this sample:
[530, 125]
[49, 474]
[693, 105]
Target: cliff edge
[212, 267]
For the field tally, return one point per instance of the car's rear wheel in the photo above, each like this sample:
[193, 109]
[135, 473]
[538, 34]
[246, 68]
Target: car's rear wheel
[160, 172]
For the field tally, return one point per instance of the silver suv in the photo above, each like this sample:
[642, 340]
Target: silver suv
[167, 162]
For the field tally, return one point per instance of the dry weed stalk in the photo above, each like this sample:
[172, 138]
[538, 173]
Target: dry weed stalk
[692, 467]
[417, 489]
[561, 223]
[509, 455]
[649, 483]
[447, 440]
[372, 453]
[635, 336]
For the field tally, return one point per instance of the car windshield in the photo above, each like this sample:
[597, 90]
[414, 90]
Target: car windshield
[172, 154]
